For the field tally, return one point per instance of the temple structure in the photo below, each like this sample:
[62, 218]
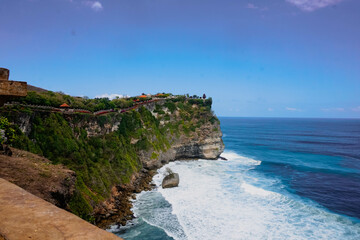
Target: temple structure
[10, 89]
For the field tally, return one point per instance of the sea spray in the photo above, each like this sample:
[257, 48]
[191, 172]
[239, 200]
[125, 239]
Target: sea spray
[227, 200]
[284, 179]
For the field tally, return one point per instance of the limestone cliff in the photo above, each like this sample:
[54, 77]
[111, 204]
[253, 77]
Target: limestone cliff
[205, 142]
[114, 155]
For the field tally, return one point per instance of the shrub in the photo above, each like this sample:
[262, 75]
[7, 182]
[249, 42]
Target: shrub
[7, 133]
[171, 106]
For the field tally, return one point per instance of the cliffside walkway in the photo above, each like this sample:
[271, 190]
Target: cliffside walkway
[25, 216]
[73, 110]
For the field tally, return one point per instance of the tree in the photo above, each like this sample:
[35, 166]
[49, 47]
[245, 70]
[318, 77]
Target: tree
[7, 133]
[204, 96]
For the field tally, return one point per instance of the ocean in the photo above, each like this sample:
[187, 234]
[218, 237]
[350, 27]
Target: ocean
[284, 179]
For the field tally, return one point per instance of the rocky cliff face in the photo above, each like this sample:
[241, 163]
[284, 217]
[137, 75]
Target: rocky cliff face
[205, 143]
[115, 155]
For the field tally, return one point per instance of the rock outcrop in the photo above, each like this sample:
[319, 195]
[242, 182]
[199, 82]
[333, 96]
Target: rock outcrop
[171, 180]
[205, 143]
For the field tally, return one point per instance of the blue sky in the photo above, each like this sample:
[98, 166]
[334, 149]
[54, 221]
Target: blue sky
[256, 58]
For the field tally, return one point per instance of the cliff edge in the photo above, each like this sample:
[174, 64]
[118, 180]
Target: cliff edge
[113, 152]
[37, 175]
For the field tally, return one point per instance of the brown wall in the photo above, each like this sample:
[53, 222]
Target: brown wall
[25, 216]
[13, 88]
[4, 74]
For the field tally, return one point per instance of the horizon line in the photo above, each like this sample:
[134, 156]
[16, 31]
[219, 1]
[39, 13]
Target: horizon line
[356, 118]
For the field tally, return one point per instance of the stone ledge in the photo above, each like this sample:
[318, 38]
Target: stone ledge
[13, 88]
[25, 216]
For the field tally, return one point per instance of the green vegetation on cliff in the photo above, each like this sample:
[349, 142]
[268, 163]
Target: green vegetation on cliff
[55, 99]
[99, 162]
[7, 133]
[105, 160]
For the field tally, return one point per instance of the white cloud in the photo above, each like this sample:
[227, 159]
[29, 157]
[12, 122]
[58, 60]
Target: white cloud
[251, 6]
[255, 7]
[333, 109]
[94, 5]
[293, 109]
[111, 96]
[312, 5]
[356, 109]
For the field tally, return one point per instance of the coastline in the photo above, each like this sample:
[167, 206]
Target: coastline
[121, 201]
[212, 192]
[122, 151]
[123, 195]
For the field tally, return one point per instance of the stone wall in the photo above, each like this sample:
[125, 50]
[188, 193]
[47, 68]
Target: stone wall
[13, 88]
[25, 216]
[10, 89]
[4, 74]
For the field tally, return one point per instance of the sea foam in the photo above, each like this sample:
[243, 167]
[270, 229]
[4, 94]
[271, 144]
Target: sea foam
[224, 200]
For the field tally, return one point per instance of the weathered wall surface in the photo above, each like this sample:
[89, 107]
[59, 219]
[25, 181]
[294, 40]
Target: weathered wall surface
[4, 74]
[25, 216]
[10, 89]
[13, 88]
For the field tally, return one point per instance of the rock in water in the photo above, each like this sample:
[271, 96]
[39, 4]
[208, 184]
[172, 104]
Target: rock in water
[171, 180]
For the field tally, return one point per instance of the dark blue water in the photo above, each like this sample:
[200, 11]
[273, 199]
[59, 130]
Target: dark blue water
[316, 158]
[284, 179]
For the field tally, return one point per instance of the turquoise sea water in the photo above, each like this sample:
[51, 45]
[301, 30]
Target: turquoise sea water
[284, 179]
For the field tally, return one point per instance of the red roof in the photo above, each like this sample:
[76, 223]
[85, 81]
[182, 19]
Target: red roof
[64, 105]
[143, 96]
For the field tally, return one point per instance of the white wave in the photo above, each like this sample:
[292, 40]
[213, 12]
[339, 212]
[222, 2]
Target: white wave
[232, 156]
[208, 207]
[113, 229]
[154, 210]
[255, 190]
